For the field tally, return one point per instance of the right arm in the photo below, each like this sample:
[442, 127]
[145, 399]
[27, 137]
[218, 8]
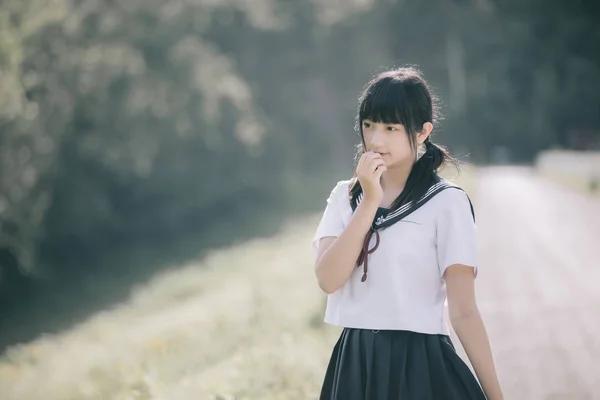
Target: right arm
[337, 256]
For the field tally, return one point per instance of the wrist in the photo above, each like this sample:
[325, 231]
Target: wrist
[372, 199]
[369, 204]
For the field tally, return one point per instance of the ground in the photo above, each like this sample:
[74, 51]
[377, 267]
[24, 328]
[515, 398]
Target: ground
[246, 322]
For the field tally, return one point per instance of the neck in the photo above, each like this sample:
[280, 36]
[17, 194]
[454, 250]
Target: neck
[394, 179]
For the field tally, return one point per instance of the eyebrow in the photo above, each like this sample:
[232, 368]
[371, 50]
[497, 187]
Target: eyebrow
[383, 123]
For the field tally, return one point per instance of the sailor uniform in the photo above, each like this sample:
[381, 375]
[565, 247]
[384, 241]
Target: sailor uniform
[395, 343]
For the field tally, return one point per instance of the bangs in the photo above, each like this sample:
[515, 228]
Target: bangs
[386, 102]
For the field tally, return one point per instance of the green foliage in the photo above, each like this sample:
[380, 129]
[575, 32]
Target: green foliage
[142, 121]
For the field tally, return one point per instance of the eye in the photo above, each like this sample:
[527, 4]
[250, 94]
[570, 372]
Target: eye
[392, 128]
[366, 124]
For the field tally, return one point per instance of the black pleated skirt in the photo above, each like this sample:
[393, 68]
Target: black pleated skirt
[393, 365]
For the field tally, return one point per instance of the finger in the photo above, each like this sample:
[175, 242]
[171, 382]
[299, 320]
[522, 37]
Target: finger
[374, 158]
[368, 164]
[374, 164]
[380, 166]
[369, 155]
[370, 167]
[379, 171]
[373, 155]
[362, 160]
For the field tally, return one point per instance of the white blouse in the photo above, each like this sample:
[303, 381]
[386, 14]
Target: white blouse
[405, 288]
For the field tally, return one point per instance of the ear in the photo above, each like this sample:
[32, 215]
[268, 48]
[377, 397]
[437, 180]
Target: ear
[425, 132]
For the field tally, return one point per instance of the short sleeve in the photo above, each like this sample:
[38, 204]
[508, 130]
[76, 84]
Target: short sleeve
[456, 232]
[332, 223]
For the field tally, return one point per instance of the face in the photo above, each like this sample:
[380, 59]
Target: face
[391, 141]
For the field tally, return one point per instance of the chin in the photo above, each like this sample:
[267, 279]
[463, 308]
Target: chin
[399, 164]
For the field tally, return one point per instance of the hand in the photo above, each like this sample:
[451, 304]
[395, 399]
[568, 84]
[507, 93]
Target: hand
[369, 170]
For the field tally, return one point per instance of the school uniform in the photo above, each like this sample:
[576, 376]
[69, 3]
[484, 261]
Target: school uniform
[395, 343]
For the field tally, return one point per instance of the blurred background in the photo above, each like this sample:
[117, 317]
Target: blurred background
[163, 165]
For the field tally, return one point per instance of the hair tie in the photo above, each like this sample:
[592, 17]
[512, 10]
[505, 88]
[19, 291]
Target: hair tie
[431, 148]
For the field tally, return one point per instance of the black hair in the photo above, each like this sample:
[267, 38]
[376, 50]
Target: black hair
[402, 96]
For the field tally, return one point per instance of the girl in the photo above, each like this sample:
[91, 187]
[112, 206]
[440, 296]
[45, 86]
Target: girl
[393, 243]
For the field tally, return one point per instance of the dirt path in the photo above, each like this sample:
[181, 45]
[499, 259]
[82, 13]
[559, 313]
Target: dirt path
[539, 285]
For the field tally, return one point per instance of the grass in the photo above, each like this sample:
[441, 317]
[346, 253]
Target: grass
[575, 170]
[243, 323]
[579, 184]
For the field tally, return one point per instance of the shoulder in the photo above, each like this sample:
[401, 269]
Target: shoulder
[341, 189]
[452, 198]
[453, 204]
[339, 198]
[453, 195]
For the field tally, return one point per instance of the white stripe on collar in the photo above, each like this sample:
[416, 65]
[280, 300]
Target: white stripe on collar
[406, 207]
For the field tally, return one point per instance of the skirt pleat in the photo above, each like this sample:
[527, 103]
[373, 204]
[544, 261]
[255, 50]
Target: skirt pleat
[392, 365]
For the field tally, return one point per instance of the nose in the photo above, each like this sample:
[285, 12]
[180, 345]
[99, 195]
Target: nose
[376, 138]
